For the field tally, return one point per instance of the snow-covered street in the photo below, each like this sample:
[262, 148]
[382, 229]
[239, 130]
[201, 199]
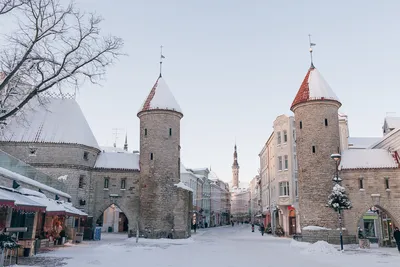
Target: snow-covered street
[223, 246]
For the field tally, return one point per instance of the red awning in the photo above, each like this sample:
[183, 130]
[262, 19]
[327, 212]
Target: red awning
[6, 203]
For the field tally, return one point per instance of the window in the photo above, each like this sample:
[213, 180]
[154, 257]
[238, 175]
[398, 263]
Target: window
[86, 155]
[295, 162]
[32, 151]
[361, 183]
[280, 163]
[301, 125]
[123, 183]
[279, 138]
[284, 189]
[151, 156]
[145, 132]
[294, 135]
[106, 182]
[81, 181]
[313, 149]
[387, 185]
[296, 189]
[285, 136]
[286, 162]
[170, 131]
[326, 122]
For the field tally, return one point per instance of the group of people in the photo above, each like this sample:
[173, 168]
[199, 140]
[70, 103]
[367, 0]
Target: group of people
[262, 228]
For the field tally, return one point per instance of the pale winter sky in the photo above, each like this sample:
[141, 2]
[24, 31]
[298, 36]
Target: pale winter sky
[234, 66]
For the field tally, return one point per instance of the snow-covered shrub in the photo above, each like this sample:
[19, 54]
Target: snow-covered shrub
[279, 231]
[338, 200]
[7, 242]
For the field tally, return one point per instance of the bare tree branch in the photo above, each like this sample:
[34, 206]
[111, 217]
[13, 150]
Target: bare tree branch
[54, 47]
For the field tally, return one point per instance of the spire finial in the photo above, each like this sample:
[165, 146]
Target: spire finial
[126, 142]
[311, 50]
[161, 60]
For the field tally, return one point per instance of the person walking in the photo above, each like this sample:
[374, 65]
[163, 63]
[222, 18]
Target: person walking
[195, 227]
[396, 236]
[252, 227]
[262, 229]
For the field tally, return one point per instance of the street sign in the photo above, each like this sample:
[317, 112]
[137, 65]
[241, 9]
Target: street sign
[17, 229]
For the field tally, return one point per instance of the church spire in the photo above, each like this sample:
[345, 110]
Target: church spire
[126, 142]
[235, 169]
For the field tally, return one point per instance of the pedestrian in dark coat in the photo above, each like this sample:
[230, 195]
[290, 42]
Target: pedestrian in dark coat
[396, 236]
[262, 228]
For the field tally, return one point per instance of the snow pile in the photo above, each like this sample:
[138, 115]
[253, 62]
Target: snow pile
[315, 228]
[322, 247]
[63, 178]
[183, 186]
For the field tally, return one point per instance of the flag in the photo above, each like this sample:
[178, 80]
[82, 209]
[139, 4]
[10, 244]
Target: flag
[162, 56]
[312, 44]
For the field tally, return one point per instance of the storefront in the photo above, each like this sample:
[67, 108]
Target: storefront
[292, 225]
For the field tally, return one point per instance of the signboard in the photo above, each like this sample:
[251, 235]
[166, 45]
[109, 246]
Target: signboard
[17, 229]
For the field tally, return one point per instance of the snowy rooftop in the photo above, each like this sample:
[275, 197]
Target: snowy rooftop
[55, 121]
[183, 169]
[362, 142]
[160, 98]
[367, 159]
[314, 87]
[117, 160]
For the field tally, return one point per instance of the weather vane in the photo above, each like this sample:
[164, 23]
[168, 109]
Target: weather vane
[311, 49]
[161, 60]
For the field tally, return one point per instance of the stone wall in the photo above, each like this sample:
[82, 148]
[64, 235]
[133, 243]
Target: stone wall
[67, 154]
[374, 193]
[316, 169]
[330, 236]
[183, 214]
[159, 171]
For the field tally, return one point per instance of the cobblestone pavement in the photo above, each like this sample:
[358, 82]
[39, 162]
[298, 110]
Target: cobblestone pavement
[40, 260]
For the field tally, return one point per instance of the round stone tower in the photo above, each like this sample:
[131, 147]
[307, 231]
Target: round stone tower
[317, 138]
[160, 118]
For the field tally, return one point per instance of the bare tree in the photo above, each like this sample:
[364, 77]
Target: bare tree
[53, 47]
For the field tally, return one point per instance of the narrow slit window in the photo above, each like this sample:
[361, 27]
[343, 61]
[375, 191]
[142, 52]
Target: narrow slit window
[81, 181]
[313, 149]
[86, 155]
[361, 181]
[151, 156]
[106, 182]
[145, 132]
[387, 185]
[170, 131]
[123, 183]
[326, 122]
[301, 125]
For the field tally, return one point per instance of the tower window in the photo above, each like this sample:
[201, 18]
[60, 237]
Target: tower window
[123, 183]
[106, 182]
[145, 132]
[313, 149]
[170, 131]
[387, 185]
[81, 181]
[151, 156]
[301, 125]
[361, 183]
[326, 122]
[86, 155]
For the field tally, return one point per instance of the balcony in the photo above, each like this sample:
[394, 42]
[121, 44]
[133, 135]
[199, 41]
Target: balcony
[284, 201]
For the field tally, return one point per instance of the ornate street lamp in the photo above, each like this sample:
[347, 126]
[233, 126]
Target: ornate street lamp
[337, 180]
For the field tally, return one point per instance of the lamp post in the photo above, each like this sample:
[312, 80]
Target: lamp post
[337, 180]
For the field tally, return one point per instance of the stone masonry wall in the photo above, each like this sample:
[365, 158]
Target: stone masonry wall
[159, 171]
[183, 214]
[52, 154]
[374, 193]
[126, 199]
[316, 170]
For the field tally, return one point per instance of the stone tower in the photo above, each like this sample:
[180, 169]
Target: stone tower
[160, 118]
[315, 109]
[235, 170]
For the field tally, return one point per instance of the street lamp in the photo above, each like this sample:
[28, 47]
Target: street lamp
[337, 180]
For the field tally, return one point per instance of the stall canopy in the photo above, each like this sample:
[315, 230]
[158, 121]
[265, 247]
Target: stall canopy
[20, 202]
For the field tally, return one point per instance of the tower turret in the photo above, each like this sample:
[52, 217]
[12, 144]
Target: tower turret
[126, 142]
[315, 109]
[235, 169]
[160, 118]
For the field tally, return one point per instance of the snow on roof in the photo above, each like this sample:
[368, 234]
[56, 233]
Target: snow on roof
[116, 160]
[20, 200]
[314, 87]
[160, 98]
[56, 120]
[183, 186]
[18, 177]
[362, 142]
[183, 169]
[367, 159]
[392, 122]
[72, 210]
[113, 149]
[30, 192]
